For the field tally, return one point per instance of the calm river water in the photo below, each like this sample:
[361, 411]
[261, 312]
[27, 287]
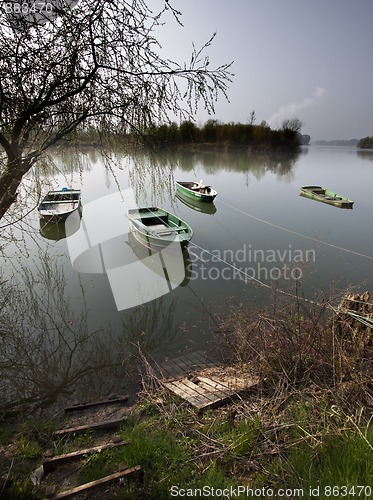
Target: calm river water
[258, 224]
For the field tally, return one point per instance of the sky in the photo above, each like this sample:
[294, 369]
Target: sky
[310, 60]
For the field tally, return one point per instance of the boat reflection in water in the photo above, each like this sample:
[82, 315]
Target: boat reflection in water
[165, 262]
[198, 206]
[53, 230]
[100, 247]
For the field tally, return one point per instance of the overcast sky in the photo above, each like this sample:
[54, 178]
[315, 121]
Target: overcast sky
[292, 58]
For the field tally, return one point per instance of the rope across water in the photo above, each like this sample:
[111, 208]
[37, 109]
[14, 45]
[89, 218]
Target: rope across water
[296, 233]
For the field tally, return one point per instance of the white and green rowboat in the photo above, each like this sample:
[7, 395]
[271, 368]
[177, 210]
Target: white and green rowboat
[58, 205]
[156, 228]
[196, 191]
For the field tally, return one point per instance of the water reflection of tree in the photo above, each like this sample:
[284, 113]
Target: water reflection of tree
[149, 328]
[151, 176]
[240, 161]
[47, 350]
[365, 155]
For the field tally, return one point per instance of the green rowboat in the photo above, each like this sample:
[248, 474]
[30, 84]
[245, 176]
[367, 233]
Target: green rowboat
[196, 191]
[319, 193]
[157, 228]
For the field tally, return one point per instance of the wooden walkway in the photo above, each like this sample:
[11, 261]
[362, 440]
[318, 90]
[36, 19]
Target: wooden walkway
[202, 382]
[190, 362]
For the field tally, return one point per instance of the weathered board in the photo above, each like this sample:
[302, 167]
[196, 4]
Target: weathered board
[201, 381]
[99, 482]
[51, 463]
[104, 424]
[203, 392]
[84, 406]
[190, 362]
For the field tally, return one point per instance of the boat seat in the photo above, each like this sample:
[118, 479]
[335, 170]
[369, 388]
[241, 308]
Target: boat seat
[59, 201]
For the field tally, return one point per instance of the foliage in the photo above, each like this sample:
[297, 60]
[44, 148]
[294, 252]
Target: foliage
[225, 134]
[98, 64]
[21, 490]
[46, 349]
[272, 439]
[301, 342]
[365, 142]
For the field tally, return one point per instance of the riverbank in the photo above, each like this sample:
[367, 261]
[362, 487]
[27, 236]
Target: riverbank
[303, 431]
[271, 440]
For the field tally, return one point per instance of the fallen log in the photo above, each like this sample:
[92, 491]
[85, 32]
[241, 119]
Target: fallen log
[94, 484]
[104, 424]
[51, 463]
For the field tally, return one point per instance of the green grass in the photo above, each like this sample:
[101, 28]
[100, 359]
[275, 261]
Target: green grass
[341, 459]
[165, 459]
[320, 445]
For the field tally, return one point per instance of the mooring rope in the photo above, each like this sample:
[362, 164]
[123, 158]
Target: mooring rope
[279, 290]
[296, 233]
[363, 319]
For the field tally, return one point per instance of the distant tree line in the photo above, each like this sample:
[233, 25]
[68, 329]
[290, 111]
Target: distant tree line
[226, 134]
[365, 142]
[338, 142]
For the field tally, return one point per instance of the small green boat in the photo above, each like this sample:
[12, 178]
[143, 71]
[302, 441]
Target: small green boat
[196, 191]
[319, 193]
[157, 228]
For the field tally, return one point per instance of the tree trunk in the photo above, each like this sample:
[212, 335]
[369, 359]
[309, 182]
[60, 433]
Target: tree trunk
[10, 180]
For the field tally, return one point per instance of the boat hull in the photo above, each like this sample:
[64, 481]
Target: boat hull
[53, 215]
[318, 193]
[207, 195]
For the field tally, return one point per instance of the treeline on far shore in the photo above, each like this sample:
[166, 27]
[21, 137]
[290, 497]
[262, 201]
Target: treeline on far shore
[366, 143]
[212, 135]
[229, 135]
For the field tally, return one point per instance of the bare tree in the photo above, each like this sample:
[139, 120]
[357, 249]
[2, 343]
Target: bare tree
[97, 64]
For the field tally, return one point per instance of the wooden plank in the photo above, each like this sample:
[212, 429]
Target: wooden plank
[52, 463]
[205, 394]
[105, 424]
[197, 395]
[213, 385]
[99, 482]
[202, 357]
[83, 406]
[180, 388]
[171, 369]
[187, 392]
[196, 360]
